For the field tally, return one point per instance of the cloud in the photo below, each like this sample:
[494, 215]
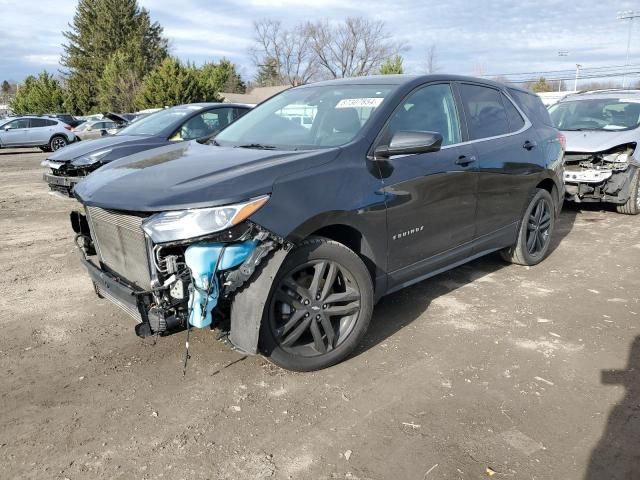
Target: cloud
[42, 59]
[493, 36]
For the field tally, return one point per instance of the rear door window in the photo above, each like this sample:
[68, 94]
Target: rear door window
[532, 106]
[486, 115]
[41, 122]
[516, 122]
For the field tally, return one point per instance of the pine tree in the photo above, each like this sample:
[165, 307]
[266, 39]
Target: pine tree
[169, 84]
[220, 77]
[38, 95]
[268, 74]
[392, 66]
[120, 83]
[6, 87]
[100, 28]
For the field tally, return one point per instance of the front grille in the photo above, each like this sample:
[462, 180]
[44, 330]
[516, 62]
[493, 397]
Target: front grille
[121, 245]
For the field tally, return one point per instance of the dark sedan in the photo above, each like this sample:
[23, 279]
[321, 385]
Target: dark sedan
[176, 124]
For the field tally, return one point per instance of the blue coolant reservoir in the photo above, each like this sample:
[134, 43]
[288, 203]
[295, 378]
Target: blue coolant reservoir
[202, 260]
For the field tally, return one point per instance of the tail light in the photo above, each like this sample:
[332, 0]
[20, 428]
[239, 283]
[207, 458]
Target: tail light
[67, 127]
[563, 141]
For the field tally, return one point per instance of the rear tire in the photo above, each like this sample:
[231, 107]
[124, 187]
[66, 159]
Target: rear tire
[57, 142]
[319, 307]
[632, 207]
[536, 229]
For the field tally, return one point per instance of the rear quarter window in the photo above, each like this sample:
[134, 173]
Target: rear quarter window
[532, 106]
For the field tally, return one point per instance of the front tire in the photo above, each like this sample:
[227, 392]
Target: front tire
[632, 207]
[57, 142]
[536, 229]
[319, 307]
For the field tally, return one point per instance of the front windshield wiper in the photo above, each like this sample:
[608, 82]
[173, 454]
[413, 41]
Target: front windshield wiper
[258, 146]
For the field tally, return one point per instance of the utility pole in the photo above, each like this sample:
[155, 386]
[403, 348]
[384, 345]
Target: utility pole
[628, 15]
[575, 84]
[562, 53]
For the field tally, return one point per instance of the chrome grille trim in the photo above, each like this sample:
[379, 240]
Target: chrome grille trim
[121, 244]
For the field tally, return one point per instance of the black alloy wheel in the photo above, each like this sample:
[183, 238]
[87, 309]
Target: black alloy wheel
[320, 306]
[314, 308]
[538, 227]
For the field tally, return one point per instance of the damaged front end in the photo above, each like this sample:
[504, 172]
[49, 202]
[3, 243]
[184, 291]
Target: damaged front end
[600, 176]
[172, 269]
[64, 175]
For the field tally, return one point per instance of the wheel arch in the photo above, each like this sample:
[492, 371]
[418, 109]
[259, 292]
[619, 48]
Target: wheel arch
[352, 238]
[59, 134]
[551, 186]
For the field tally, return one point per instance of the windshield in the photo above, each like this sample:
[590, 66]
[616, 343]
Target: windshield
[155, 123]
[307, 117]
[597, 114]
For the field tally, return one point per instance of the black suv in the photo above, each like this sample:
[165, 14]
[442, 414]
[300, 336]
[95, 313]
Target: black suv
[291, 232]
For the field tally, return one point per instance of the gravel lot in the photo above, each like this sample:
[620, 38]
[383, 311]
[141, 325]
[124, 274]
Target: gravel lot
[487, 366]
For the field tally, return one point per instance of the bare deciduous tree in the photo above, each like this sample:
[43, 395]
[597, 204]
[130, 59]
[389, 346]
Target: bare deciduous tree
[309, 51]
[432, 60]
[354, 48]
[290, 49]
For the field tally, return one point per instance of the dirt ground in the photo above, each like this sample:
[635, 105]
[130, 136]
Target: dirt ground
[533, 373]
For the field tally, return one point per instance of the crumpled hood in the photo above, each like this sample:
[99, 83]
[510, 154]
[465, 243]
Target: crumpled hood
[589, 141]
[192, 175]
[75, 150]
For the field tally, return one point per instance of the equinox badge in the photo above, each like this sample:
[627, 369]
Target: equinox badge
[408, 232]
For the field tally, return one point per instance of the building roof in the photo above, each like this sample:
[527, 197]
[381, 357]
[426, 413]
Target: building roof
[255, 96]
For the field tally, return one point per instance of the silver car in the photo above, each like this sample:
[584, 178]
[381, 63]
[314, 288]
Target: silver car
[49, 134]
[602, 163]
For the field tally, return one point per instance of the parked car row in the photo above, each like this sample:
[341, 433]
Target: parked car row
[27, 130]
[184, 122]
[297, 216]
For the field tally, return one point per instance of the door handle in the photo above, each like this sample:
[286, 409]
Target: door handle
[464, 160]
[529, 145]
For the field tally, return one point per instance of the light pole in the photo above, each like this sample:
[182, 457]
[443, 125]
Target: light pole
[562, 53]
[575, 84]
[628, 15]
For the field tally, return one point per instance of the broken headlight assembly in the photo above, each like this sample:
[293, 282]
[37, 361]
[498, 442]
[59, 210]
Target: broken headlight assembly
[90, 159]
[172, 226]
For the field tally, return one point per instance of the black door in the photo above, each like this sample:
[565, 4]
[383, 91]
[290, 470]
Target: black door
[507, 152]
[431, 197]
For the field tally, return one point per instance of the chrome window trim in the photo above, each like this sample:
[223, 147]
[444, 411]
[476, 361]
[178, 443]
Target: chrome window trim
[524, 128]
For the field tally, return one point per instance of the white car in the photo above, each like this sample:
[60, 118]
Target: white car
[49, 134]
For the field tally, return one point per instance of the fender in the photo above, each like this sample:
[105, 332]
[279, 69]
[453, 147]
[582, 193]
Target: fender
[247, 309]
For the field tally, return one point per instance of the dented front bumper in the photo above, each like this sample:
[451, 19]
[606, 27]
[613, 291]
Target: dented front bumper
[186, 279]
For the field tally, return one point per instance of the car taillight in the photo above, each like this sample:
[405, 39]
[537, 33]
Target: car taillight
[563, 141]
[68, 127]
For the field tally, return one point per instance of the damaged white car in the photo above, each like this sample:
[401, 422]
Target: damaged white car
[602, 163]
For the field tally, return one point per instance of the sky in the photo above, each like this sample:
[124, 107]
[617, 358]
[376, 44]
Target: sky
[471, 37]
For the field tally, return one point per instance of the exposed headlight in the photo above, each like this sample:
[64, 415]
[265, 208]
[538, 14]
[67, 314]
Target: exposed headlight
[617, 157]
[184, 224]
[91, 158]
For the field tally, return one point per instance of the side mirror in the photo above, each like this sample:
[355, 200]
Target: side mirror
[7, 128]
[103, 132]
[408, 143]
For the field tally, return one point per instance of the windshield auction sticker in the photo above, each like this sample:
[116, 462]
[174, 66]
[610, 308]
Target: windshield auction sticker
[359, 102]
